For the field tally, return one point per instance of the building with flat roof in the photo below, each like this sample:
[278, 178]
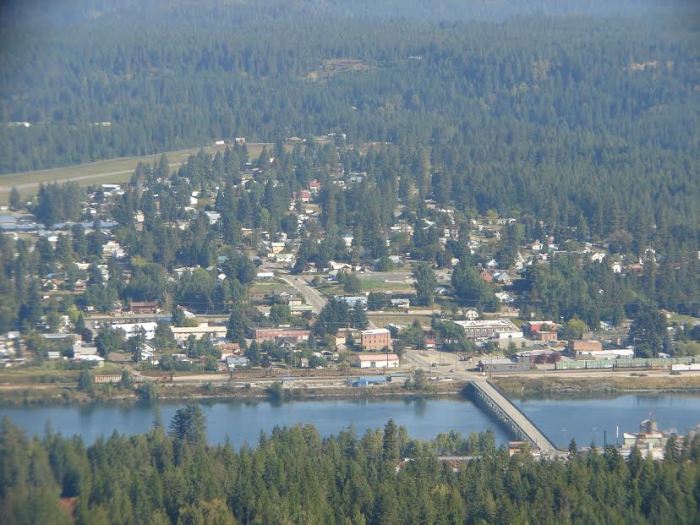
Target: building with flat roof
[581, 348]
[375, 360]
[273, 334]
[503, 365]
[375, 339]
[490, 329]
[183, 333]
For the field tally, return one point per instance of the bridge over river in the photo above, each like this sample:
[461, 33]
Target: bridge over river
[492, 400]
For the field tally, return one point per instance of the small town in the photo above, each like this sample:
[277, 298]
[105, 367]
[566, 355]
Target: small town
[228, 306]
[275, 262]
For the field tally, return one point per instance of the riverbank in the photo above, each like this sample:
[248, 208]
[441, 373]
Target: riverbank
[55, 394]
[529, 386]
[521, 386]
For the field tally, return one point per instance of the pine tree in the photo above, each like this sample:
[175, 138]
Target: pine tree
[15, 199]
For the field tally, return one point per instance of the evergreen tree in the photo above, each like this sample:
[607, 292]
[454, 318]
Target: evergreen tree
[188, 425]
[425, 283]
[15, 199]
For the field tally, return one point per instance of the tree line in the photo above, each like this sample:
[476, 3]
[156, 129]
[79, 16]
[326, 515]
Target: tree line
[294, 475]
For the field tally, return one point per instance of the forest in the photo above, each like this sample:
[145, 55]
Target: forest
[294, 475]
[514, 115]
[585, 122]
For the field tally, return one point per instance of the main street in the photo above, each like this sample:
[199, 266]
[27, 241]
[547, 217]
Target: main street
[311, 295]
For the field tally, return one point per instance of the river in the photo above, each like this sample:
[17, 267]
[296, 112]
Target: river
[242, 421]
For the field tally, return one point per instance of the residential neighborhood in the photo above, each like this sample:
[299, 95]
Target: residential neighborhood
[307, 294]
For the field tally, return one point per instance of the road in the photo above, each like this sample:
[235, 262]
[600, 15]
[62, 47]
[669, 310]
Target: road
[541, 441]
[311, 295]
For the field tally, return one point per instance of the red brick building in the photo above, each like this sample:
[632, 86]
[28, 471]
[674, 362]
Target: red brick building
[375, 339]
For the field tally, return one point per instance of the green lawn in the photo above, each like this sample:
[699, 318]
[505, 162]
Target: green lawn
[276, 287]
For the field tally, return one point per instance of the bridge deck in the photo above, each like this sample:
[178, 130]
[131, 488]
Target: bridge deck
[533, 433]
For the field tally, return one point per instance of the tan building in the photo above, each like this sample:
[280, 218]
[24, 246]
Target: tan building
[375, 339]
[272, 334]
[580, 348]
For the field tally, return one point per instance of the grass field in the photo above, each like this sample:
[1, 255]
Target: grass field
[380, 285]
[272, 287]
[113, 170]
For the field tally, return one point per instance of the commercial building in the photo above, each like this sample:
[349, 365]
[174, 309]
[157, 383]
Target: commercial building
[273, 334]
[375, 339]
[490, 329]
[182, 333]
[503, 365]
[376, 360]
[580, 348]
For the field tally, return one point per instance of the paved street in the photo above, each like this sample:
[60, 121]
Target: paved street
[311, 295]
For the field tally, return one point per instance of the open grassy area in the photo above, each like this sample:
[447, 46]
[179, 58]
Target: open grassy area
[113, 171]
[530, 385]
[380, 285]
[50, 372]
[276, 287]
[330, 289]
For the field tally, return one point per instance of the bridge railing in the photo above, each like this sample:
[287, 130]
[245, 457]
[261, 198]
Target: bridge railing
[517, 409]
[513, 425]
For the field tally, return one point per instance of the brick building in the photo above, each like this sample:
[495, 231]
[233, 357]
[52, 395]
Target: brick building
[375, 339]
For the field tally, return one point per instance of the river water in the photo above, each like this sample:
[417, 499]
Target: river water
[242, 421]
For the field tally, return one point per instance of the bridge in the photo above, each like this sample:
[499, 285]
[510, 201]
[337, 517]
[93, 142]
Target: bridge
[490, 398]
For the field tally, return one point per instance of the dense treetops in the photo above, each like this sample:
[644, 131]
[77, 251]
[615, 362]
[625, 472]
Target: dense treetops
[587, 122]
[583, 129]
[296, 476]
